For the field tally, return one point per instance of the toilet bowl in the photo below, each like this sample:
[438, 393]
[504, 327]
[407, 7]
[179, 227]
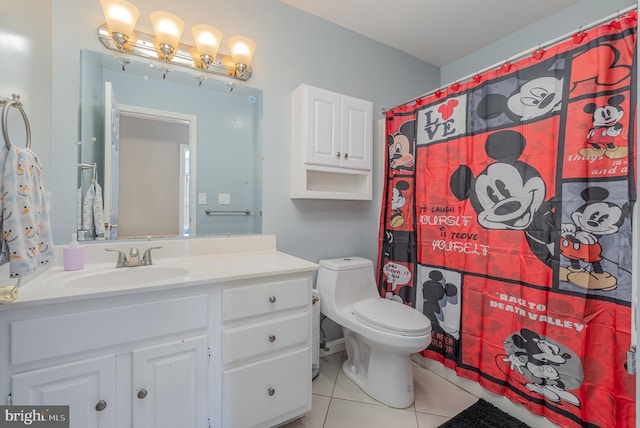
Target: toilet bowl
[380, 334]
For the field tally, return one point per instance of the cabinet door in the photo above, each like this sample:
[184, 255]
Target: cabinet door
[86, 386]
[357, 133]
[322, 127]
[170, 384]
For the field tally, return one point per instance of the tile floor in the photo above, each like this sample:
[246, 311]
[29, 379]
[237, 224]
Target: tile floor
[339, 403]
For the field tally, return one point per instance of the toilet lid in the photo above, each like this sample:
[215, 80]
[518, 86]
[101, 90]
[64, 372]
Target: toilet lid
[391, 316]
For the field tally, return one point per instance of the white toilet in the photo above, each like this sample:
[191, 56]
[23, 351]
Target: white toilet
[380, 334]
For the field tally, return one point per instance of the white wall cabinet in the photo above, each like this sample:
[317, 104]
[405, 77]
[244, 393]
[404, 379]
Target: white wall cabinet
[331, 145]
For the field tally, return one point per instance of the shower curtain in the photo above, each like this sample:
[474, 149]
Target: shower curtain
[506, 221]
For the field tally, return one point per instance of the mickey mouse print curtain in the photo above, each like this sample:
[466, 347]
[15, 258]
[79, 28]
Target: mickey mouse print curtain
[506, 221]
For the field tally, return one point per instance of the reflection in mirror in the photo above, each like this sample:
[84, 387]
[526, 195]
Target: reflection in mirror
[165, 157]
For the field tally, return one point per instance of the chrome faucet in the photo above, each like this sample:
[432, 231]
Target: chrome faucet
[134, 257]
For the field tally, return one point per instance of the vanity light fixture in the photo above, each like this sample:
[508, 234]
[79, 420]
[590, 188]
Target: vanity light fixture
[168, 29]
[118, 34]
[121, 18]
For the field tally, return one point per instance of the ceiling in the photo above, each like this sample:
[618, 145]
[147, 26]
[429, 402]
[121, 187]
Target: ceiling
[436, 31]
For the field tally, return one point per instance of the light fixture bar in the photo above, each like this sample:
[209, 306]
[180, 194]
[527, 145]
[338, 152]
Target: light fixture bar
[141, 45]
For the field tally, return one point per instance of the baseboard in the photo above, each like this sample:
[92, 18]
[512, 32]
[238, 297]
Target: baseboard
[334, 347]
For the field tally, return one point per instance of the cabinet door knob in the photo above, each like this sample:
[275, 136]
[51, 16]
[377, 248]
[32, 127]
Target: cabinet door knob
[272, 338]
[271, 392]
[101, 405]
[272, 299]
[346, 155]
[142, 393]
[338, 154]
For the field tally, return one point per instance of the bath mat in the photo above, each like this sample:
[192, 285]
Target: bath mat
[483, 414]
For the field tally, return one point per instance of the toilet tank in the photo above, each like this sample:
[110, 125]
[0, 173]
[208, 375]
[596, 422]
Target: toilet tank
[347, 280]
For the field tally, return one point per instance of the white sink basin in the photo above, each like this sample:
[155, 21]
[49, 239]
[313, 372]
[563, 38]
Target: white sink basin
[126, 276]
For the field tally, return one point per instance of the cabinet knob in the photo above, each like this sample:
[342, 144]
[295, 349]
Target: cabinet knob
[101, 405]
[346, 155]
[142, 393]
[272, 338]
[272, 299]
[271, 392]
[338, 154]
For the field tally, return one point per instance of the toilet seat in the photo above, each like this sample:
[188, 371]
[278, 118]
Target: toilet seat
[391, 317]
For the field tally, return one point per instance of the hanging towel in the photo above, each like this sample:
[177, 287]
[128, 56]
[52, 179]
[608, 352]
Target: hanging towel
[92, 208]
[26, 229]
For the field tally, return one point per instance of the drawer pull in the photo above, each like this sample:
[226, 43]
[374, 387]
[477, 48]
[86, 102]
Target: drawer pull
[271, 392]
[101, 405]
[338, 154]
[346, 155]
[142, 393]
[272, 338]
[272, 299]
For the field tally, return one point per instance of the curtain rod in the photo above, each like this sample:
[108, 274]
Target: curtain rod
[522, 54]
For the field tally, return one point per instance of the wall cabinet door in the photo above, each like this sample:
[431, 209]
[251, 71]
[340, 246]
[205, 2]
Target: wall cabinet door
[323, 116]
[86, 386]
[170, 384]
[357, 133]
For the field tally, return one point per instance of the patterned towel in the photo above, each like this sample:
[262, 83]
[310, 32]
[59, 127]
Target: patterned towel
[26, 230]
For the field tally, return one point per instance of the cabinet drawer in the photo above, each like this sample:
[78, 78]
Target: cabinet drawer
[268, 297]
[265, 338]
[254, 395]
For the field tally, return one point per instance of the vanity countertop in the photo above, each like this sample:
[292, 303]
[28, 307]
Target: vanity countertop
[179, 263]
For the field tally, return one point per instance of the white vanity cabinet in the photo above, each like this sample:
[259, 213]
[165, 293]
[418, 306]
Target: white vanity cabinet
[226, 345]
[138, 365]
[266, 345]
[331, 145]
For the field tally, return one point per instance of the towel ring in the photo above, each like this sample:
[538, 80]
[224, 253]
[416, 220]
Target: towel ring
[15, 102]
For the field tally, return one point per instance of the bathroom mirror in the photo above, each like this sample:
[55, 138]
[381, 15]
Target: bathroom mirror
[172, 154]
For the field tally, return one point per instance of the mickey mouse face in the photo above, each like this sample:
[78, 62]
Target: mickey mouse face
[607, 116]
[400, 151]
[397, 200]
[536, 97]
[599, 218]
[549, 352]
[506, 198]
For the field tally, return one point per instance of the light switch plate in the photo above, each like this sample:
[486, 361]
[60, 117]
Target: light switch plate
[224, 198]
[202, 198]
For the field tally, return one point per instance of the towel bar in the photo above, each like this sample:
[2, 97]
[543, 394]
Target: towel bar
[15, 102]
[212, 212]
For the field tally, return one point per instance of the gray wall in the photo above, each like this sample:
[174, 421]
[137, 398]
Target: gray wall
[566, 21]
[292, 48]
[25, 69]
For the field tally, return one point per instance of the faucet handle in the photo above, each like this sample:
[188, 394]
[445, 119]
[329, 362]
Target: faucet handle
[122, 257]
[146, 258]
